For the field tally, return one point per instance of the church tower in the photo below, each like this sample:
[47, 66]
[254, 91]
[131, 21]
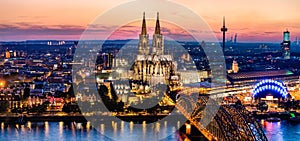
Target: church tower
[152, 68]
[158, 41]
[144, 48]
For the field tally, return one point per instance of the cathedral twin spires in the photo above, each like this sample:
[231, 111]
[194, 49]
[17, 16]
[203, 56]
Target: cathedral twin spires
[157, 42]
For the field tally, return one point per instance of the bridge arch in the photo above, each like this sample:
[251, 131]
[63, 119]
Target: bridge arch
[231, 122]
[269, 86]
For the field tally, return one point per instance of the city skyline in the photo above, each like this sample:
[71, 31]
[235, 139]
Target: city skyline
[78, 78]
[262, 22]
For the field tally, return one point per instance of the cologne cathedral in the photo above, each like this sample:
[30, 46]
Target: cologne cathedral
[153, 67]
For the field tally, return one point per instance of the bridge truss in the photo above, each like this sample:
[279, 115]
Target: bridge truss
[230, 123]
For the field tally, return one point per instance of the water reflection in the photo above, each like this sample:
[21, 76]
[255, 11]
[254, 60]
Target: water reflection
[157, 127]
[46, 129]
[275, 131]
[144, 129]
[29, 124]
[122, 127]
[2, 125]
[281, 131]
[60, 129]
[84, 131]
[115, 127]
[131, 127]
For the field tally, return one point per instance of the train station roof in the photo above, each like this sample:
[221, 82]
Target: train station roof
[259, 75]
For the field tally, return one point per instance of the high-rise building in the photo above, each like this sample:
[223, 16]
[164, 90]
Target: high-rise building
[235, 38]
[286, 45]
[107, 60]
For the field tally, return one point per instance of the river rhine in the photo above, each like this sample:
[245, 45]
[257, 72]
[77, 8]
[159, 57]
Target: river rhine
[60, 131]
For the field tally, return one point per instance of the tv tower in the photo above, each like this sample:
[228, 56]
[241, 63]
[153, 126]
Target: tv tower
[223, 29]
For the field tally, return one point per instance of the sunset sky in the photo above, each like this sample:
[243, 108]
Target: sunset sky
[252, 20]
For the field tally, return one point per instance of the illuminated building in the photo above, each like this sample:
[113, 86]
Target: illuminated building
[144, 48]
[15, 54]
[108, 59]
[155, 68]
[235, 67]
[243, 78]
[266, 87]
[7, 54]
[158, 41]
[285, 45]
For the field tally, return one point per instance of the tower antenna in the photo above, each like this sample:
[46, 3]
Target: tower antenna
[224, 30]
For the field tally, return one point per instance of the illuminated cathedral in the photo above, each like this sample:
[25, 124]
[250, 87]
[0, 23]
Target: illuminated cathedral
[153, 67]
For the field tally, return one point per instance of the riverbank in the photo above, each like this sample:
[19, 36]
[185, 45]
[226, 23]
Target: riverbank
[80, 118]
[281, 115]
[11, 118]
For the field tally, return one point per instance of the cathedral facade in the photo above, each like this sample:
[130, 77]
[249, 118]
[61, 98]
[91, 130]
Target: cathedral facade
[152, 67]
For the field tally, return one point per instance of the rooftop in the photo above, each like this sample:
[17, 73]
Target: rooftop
[260, 74]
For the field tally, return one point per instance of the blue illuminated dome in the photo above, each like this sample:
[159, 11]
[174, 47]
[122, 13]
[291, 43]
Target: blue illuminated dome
[268, 86]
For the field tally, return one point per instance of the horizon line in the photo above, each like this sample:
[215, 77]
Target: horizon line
[3, 41]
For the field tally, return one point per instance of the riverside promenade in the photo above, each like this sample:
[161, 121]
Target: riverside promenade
[12, 118]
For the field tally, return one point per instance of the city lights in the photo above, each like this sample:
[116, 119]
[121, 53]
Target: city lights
[2, 83]
[270, 85]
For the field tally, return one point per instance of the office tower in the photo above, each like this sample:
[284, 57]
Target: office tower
[235, 38]
[285, 45]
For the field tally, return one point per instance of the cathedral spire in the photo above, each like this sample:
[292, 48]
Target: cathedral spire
[157, 27]
[144, 29]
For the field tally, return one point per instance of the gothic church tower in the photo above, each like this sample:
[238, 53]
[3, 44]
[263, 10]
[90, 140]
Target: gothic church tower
[158, 41]
[144, 48]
